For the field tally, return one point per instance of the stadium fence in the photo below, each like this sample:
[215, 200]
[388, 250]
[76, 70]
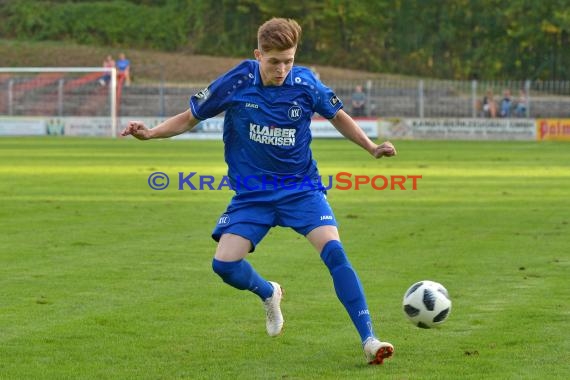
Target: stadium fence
[75, 102]
[61, 92]
[385, 97]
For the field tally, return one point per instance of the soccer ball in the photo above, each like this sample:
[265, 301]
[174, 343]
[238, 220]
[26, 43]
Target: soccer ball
[427, 304]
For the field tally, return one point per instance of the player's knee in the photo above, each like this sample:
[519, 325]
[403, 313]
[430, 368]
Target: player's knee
[231, 272]
[333, 255]
[224, 269]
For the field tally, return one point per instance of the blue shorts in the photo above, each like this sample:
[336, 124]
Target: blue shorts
[251, 217]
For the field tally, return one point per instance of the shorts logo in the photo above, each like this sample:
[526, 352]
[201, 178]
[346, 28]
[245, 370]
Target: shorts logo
[294, 113]
[334, 100]
[326, 217]
[224, 219]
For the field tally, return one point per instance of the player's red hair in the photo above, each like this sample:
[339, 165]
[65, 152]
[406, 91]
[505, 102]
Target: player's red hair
[278, 34]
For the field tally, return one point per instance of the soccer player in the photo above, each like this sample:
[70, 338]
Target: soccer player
[268, 104]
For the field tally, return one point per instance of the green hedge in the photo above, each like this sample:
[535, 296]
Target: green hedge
[457, 39]
[95, 23]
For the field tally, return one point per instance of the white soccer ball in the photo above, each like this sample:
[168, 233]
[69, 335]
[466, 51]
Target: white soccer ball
[427, 304]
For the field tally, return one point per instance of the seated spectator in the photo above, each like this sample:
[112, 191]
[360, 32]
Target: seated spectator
[488, 105]
[108, 63]
[521, 104]
[124, 69]
[358, 101]
[506, 104]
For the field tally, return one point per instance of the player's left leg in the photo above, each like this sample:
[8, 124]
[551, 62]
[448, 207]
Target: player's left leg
[346, 282]
[310, 214]
[349, 290]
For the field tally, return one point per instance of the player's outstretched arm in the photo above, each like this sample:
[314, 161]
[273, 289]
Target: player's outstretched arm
[176, 125]
[349, 129]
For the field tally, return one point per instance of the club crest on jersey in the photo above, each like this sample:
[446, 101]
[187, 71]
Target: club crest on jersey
[294, 113]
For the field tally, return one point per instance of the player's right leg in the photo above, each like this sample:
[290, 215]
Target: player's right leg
[230, 264]
[238, 231]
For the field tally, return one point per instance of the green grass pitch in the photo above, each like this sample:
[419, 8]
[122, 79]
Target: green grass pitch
[103, 278]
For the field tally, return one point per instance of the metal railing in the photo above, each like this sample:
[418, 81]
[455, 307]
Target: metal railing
[387, 97]
[421, 98]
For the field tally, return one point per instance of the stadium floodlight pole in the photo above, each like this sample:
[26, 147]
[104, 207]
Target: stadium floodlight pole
[112, 89]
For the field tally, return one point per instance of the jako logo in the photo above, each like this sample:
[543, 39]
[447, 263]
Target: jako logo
[294, 113]
[326, 217]
[363, 312]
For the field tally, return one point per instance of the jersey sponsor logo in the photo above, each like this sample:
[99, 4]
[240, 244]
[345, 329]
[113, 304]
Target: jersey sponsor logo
[334, 100]
[272, 135]
[294, 113]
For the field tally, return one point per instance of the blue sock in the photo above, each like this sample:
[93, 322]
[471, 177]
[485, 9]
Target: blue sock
[241, 275]
[348, 288]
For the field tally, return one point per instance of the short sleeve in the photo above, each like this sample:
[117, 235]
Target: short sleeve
[327, 104]
[218, 96]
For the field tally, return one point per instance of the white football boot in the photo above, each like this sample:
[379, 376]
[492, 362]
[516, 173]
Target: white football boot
[274, 322]
[376, 351]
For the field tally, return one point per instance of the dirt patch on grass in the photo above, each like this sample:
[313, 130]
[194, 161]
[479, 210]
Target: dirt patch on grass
[147, 66]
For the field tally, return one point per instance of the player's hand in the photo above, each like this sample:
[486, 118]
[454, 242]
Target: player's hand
[136, 129]
[386, 149]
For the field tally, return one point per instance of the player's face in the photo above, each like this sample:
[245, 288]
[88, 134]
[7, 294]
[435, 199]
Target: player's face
[274, 65]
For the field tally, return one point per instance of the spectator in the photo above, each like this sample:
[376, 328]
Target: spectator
[488, 105]
[506, 104]
[107, 63]
[521, 105]
[124, 69]
[358, 100]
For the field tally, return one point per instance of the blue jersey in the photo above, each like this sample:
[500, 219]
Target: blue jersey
[123, 64]
[267, 132]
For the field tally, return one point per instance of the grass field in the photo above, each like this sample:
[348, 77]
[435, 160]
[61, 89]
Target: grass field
[103, 278]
